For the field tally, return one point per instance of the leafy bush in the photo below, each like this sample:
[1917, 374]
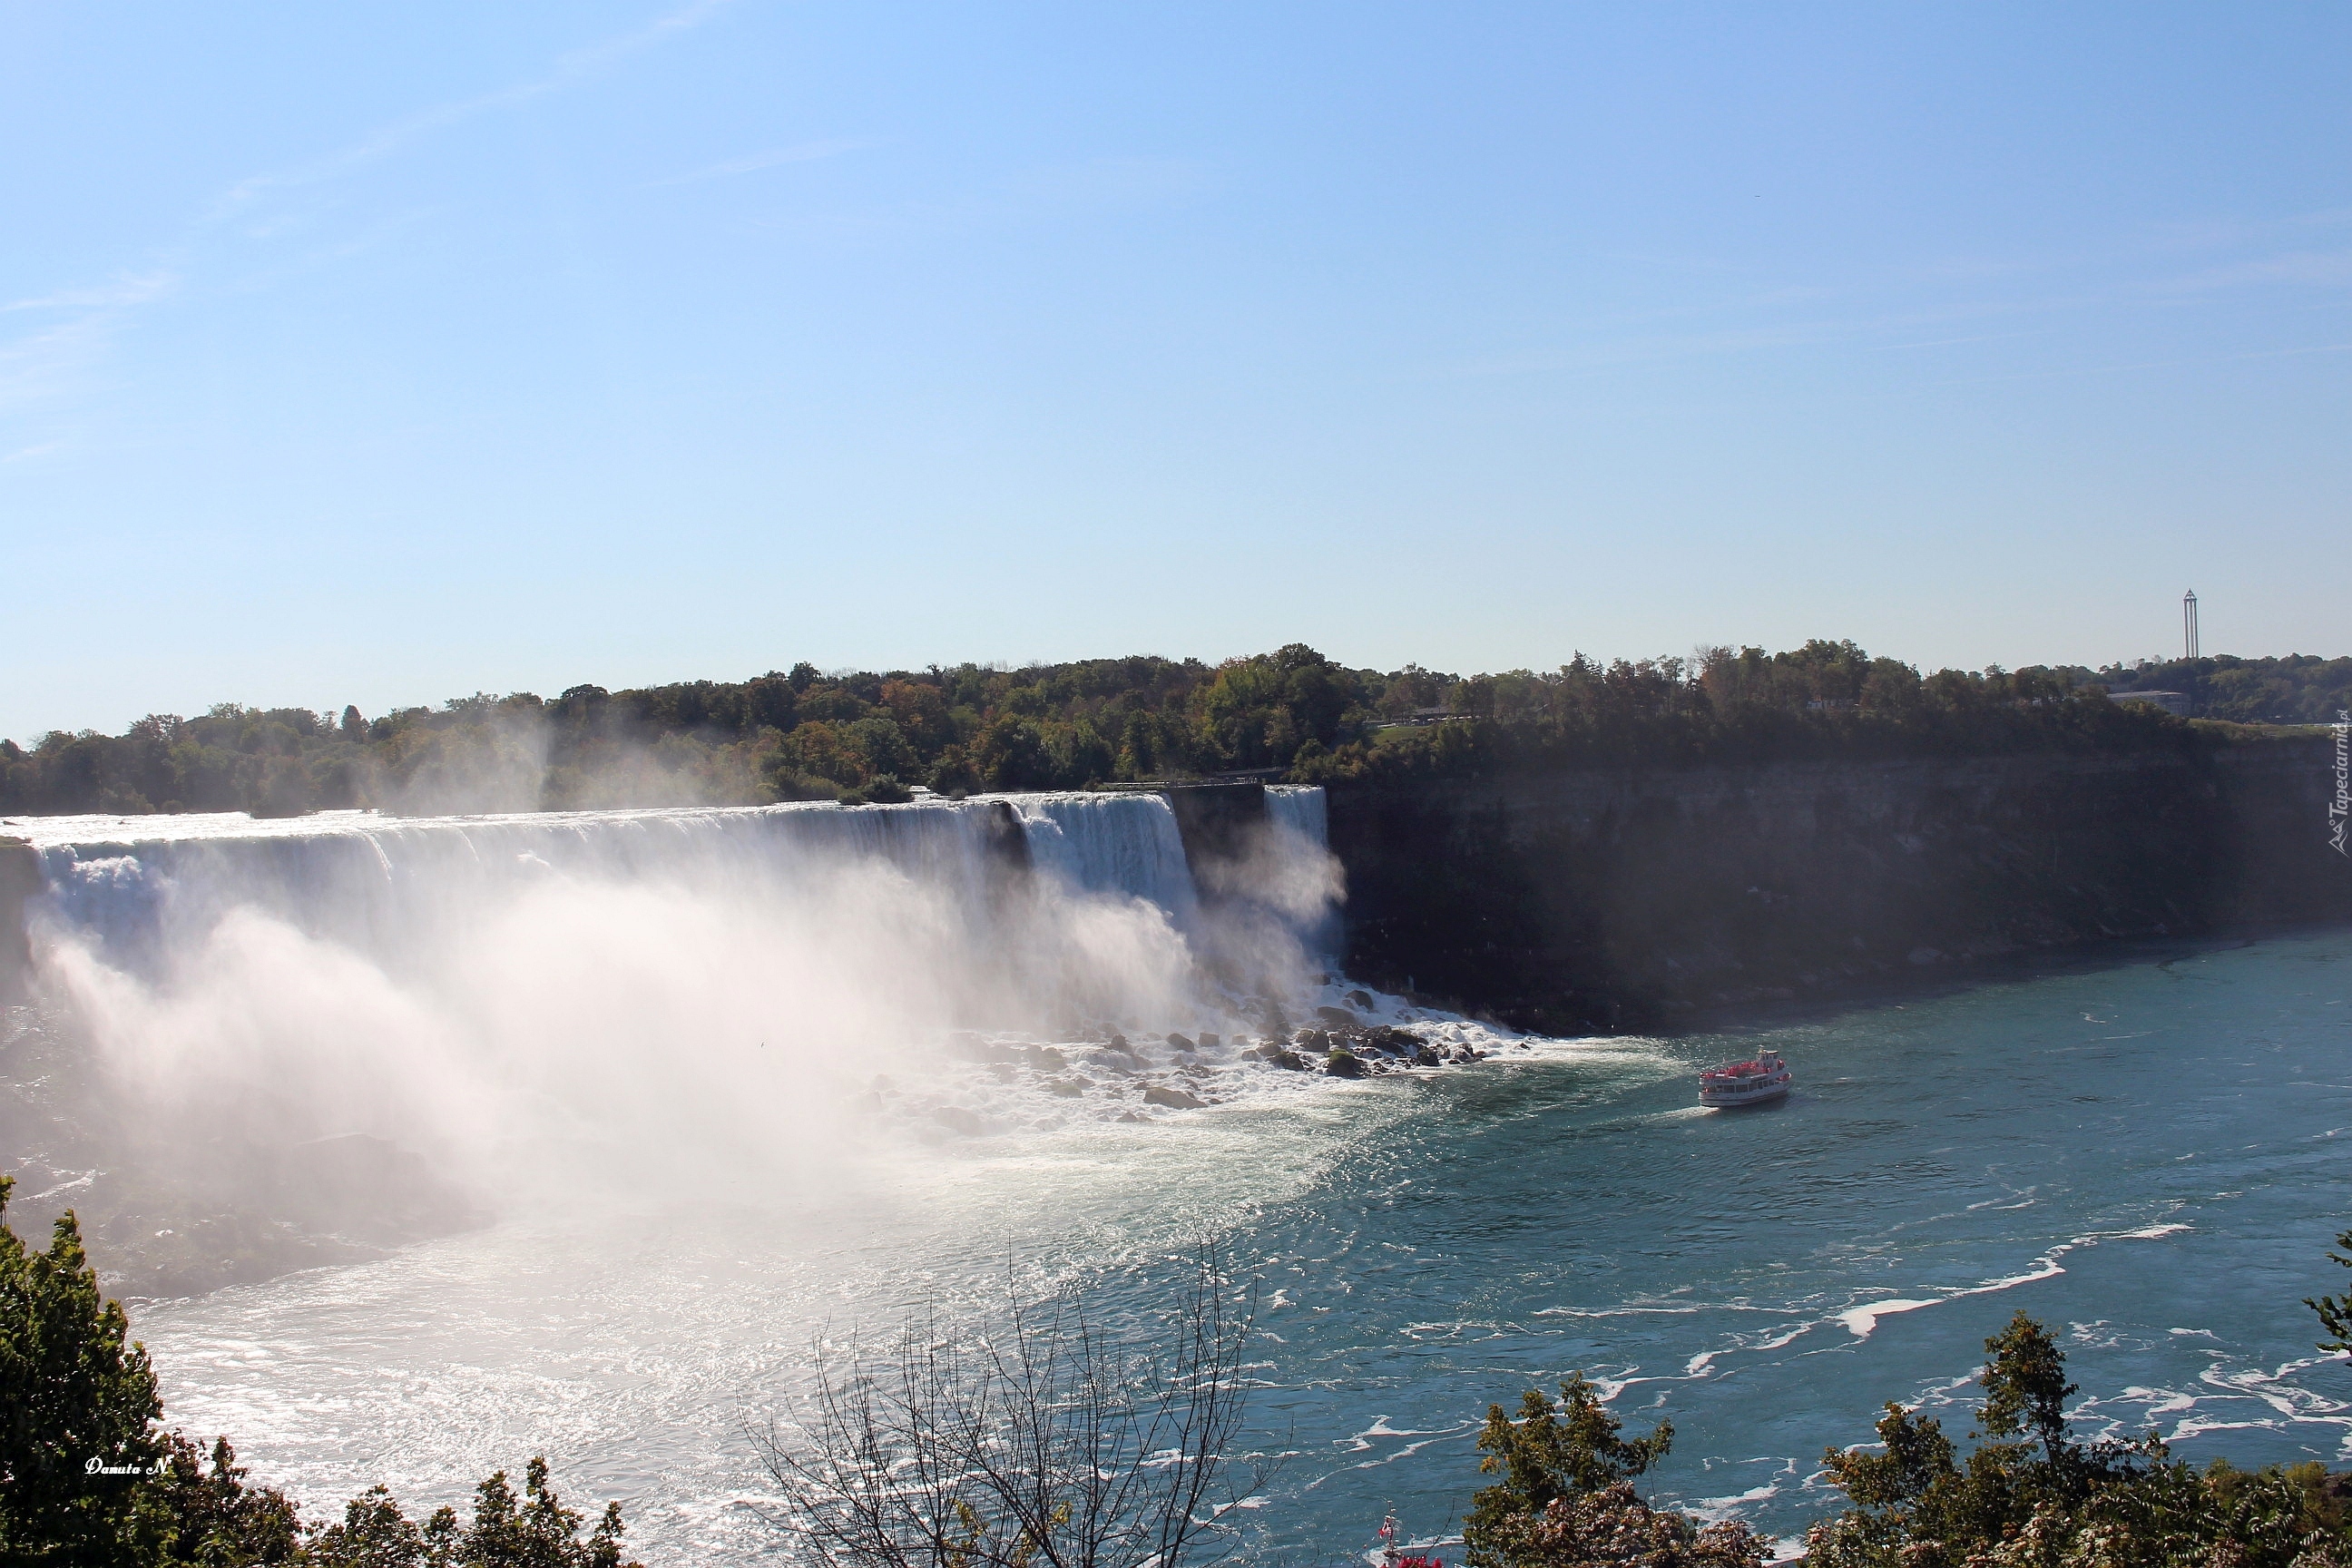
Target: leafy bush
[2032, 1496]
[85, 1479]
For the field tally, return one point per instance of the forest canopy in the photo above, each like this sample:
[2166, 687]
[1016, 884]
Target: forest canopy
[805, 734]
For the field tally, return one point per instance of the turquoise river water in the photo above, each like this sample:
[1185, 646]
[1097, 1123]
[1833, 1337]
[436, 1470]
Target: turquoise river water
[2150, 1155]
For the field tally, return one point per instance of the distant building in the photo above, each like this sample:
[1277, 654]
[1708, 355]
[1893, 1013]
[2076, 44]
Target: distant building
[2171, 701]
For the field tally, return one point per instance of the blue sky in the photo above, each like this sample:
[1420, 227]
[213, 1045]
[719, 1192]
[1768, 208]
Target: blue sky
[377, 353]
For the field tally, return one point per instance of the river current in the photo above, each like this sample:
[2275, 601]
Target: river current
[2150, 1155]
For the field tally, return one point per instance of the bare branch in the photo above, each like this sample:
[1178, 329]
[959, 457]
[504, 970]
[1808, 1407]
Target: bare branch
[1049, 1443]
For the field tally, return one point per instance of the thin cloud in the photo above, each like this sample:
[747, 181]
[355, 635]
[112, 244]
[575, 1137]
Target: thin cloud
[570, 69]
[2219, 233]
[105, 297]
[2151, 364]
[2307, 269]
[43, 365]
[805, 153]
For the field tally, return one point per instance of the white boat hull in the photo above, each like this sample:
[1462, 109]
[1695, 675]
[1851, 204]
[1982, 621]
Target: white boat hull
[1727, 1099]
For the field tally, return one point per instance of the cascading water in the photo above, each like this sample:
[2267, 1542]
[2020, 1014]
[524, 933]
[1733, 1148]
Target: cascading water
[536, 1003]
[1113, 844]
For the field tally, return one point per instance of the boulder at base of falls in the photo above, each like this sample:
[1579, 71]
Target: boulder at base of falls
[1173, 1099]
[1425, 1057]
[1179, 1042]
[1290, 1061]
[1362, 999]
[1068, 1088]
[956, 1119]
[1339, 1018]
[1210, 1042]
[1344, 1064]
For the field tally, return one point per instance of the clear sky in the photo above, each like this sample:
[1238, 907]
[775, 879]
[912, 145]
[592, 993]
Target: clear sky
[377, 352]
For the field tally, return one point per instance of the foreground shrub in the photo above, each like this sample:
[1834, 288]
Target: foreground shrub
[1614, 1528]
[1565, 1498]
[2034, 1496]
[86, 1481]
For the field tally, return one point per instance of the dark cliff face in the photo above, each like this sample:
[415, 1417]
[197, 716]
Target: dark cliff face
[20, 879]
[1620, 899]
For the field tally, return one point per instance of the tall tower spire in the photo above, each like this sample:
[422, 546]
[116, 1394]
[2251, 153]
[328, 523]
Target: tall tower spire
[2189, 625]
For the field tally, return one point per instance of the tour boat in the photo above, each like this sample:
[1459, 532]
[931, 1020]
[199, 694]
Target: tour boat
[1745, 1083]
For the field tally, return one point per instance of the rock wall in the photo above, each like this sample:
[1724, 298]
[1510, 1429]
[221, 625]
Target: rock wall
[20, 878]
[1620, 900]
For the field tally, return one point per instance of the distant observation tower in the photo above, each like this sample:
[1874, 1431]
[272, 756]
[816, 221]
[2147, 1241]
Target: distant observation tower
[2188, 624]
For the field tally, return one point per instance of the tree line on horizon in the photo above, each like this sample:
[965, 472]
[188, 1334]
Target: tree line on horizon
[858, 736]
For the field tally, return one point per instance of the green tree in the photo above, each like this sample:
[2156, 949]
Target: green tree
[87, 1482]
[1917, 1457]
[2025, 1396]
[1568, 1449]
[208, 1515]
[536, 1531]
[375, 1533]
[2031, 1491]
[75, 1392]
[2334, 1314]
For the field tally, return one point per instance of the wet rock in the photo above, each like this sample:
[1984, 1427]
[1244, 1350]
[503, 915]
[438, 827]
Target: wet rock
[1119, 1042]
[1210, 1042]
[1046, 1059]
[1361, 999]
[1067, 1088]
[956, 1119]
[1425, 1057]
[1132, 1116]
[1290, 1061]
[1344, 1064]
[1339, 1018]
[1173, 1099]
[1179, 1042]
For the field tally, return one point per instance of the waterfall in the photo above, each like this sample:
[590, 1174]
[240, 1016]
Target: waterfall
[361, 878]
[1123, 842]
[1300, 822]
[718, 989]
